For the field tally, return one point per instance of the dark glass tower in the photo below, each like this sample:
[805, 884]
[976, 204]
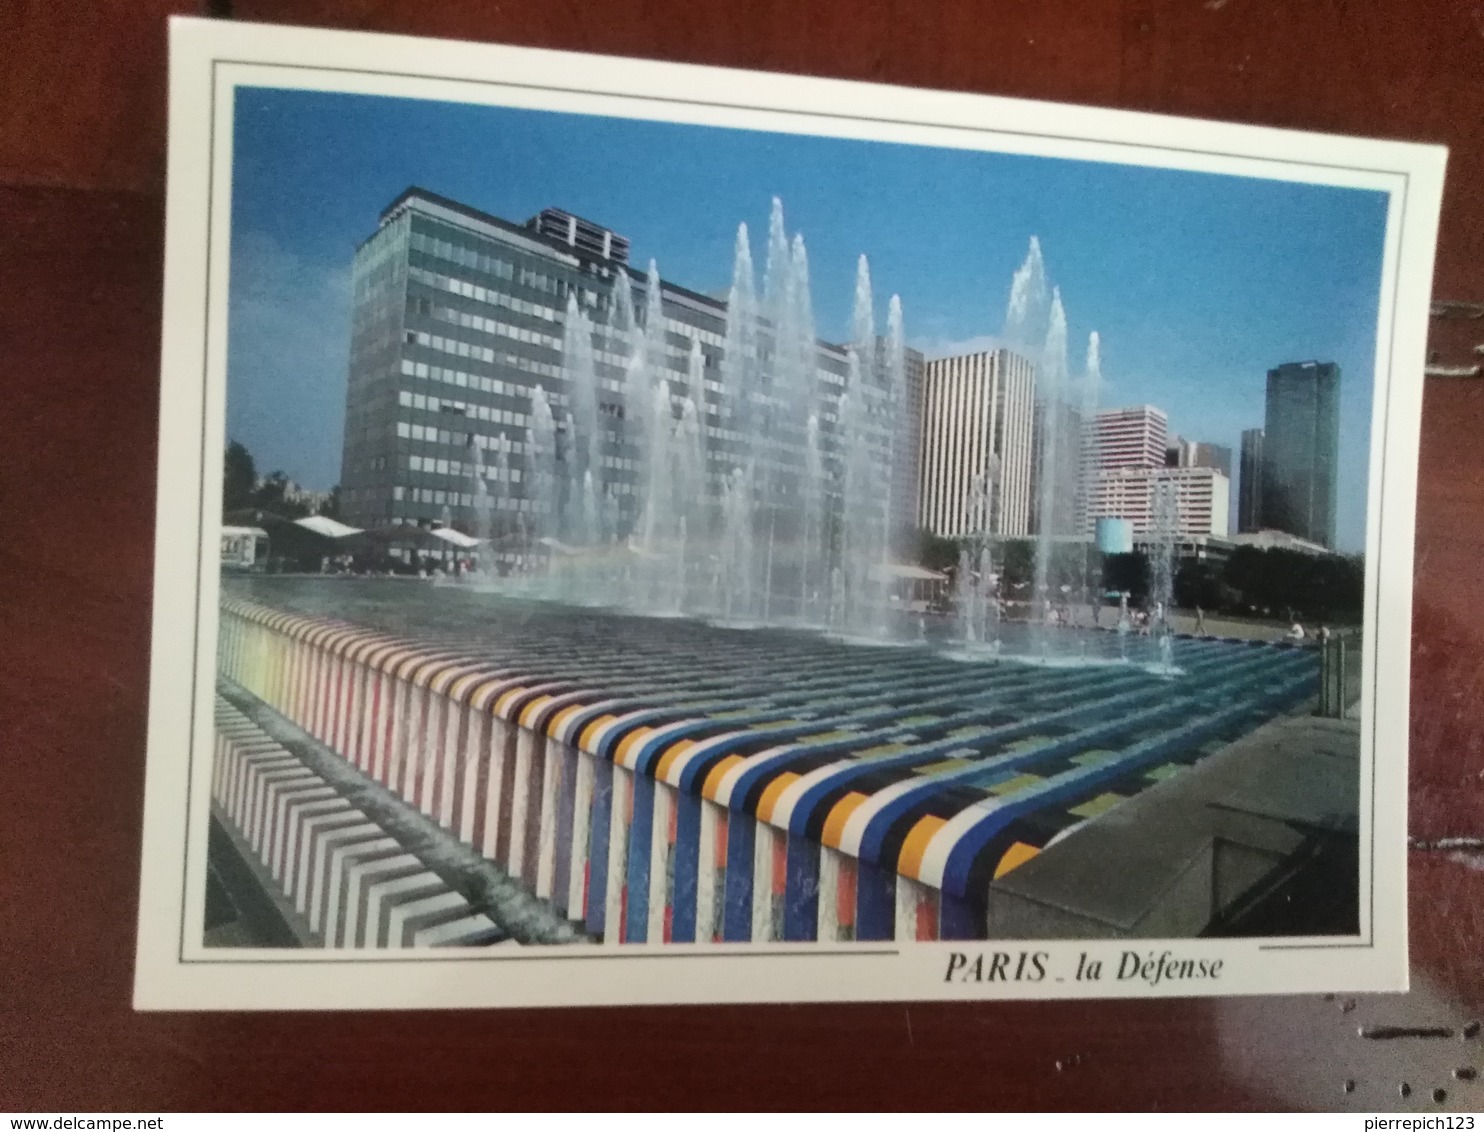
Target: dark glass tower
[1301, 446]
[1249, 490]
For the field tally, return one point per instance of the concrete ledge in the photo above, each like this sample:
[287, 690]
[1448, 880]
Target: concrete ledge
[1171, 861]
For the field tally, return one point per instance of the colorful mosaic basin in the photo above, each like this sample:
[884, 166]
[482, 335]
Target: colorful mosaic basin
[668, 781]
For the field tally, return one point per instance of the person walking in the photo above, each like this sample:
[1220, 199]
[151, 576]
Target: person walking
[1200, 622]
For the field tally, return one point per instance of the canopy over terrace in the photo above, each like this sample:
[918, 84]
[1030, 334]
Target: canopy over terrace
[915, 585]
[414, 545]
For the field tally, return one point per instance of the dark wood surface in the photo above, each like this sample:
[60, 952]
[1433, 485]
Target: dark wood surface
[81, 172]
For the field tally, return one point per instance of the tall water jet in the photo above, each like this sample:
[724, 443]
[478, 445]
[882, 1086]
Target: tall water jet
[739, 373]
[814, 562]
[483, 508]
[660, 516]
[643, 378]
[1052, 498]
[1091, 395]
[694, 477]
[1028, 311]
[973, 594]
[1164, 538]
[793, 507]
[857, 551]
[898, 437]
[690, 481]
[541, 489]
[584, 436]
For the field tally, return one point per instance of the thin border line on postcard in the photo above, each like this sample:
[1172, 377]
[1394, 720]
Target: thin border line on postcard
[1341, 944]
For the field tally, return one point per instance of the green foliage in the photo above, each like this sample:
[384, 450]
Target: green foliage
[270, 497]
[935, 552]
[238, 477]
[1127, 573]
[1278, 582]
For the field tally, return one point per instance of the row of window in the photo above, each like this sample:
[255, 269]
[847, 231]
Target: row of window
[607, 347]
[427, 434]
[536, 280]
[679, 359]
[437, 467]
[440, 498]
[496, 297]
[487, 326]
[481, 294]
[500, 268]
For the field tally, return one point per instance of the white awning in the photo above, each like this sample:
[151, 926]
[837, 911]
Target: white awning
[897, 572]
[243, 532]
[457, 538]
[321, 525]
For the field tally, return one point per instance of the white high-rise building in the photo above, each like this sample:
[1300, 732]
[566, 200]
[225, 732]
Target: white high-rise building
[1202, 499]
[1128, 438]
[1126, 458]
[978, 415]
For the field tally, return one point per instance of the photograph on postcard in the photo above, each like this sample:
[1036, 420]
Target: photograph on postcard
[638, 532]
[591, 598]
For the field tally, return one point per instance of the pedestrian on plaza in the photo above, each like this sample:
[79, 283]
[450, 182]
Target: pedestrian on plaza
[1200, 622]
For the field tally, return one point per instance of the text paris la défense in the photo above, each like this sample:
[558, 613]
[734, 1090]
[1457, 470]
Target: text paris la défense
[1035, 966]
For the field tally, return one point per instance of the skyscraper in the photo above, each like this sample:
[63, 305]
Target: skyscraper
[457, 317]
[1184, 453]
[1249, 489]
[1128, 438]
[978, 411]
[1301, 446]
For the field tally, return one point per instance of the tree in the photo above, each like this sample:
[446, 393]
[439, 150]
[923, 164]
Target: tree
[270, 496]
[238, 477]
[1127, 573]
[330, 509]
[935, 552]
[1279, 582]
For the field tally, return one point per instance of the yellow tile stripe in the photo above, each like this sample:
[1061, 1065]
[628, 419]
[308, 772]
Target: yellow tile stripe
[834, 824]
[772, 793]
[909, 861]
[1015, 856]
[529, 712]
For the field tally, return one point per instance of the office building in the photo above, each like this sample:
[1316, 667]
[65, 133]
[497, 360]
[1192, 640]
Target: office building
[1120, 440]
[457, 315]
[1182, 453]
[1301, 446]
[978, 412]
[1128, 438]
[1249, 486]
[1202, 499]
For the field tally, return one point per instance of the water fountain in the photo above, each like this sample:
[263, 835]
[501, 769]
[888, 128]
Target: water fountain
[1163, 543]
[770, 503]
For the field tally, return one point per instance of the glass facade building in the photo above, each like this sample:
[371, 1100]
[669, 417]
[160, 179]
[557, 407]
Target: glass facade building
[1300, 451]
[458, 315]
[1249, 488]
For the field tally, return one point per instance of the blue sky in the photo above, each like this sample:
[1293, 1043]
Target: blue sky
[1196, 283]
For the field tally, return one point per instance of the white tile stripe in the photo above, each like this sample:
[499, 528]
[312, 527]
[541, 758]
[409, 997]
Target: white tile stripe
[339, 867]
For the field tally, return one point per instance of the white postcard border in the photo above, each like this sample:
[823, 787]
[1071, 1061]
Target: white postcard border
[210, 59]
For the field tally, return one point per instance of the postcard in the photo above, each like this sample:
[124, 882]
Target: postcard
[642, 533]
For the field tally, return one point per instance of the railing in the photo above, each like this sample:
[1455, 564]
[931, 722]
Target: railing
[1339, 675]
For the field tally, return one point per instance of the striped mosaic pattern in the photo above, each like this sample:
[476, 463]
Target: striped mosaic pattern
[354, 884]
[668, 782]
